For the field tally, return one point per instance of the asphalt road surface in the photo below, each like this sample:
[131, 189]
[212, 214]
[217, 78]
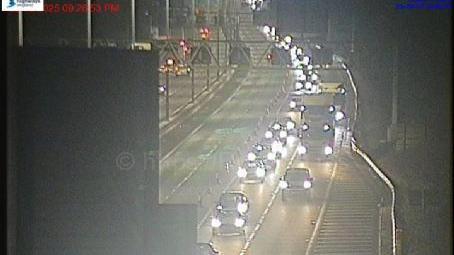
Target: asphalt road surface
[338, 215]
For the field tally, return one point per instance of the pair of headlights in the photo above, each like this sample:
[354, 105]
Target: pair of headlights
[239, 222]
[242, 173]
[301, 150]
[284, 184]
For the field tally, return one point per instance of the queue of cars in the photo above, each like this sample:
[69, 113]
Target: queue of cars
[312, 134]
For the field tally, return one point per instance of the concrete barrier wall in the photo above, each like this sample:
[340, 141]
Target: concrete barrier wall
[86, 121]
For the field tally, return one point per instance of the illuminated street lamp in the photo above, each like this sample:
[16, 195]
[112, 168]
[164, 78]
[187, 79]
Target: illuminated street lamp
[169, 64]
[299, 51]
[306, 60]
[266, 29]
[205, 33]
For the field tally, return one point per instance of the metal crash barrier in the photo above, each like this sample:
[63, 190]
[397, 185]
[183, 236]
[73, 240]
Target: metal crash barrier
[388, 183]
[372, 164]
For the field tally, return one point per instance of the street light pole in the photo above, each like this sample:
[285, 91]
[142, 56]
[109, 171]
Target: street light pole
[167, 18]
[167, 96]
[208, 76]
[208, 11]
[217, 43]
[193, 11]
[395, 87]
[133, 22]
[89, 24]
[21, 30]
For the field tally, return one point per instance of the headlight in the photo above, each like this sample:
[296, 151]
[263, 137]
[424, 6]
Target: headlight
[326, 127]
[299, 51]
[283, 134]
[290, 125]
[268, 134]
[342, 91]
[339, 116]
[239, 222]
[215, 223]
[276, 146]
[307, 184]
[242, 207]
[291, 140]
[266, 29]
[251, 156]
[331, 108]
[260, 172]
[328, 150]
[305, 127]
[271, 156]
[301, 149]
[283, 184]
[292, 104]
[241, 172]
[298, 85]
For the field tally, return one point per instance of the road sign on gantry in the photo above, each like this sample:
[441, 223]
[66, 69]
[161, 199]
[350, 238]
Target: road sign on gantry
[240, 55]
[201, 54]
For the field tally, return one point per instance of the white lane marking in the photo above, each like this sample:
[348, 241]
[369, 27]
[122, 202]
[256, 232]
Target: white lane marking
[208, 213]
[185, 179]
[318, 223]
[265, 212]
[199, 225]
[201, 125]
[174, 189]
[206, 99]
[180, 143]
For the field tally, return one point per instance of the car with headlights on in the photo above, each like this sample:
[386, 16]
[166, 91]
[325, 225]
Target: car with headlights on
[275, 149]
[278, 132]
[262, 152]
[290, 127]
[230, 213]
[258, 151]
[295, 179]
[228, 223]
[182, 69]
[233, 201]
[252, 171]
[295, 100]
[317, 140]
[162, 89]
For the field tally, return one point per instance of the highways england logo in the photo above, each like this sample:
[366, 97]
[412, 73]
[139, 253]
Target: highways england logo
[22, 5]
[428, 5]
